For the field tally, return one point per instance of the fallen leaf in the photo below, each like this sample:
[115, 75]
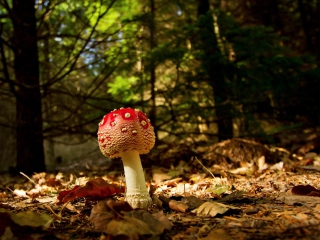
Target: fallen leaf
[192, 201]
[218, 189]
[157, 222]
[16, 221]
[178, 206]
[52, 182]
[236, 195]
[217, 234]
[262, 165]
[158, 176]
[121, 221]
[173, 204]
[162, 218]
[203, 230]
[103, 212]
[95, 189]
[246, 169]
[65, 193]
[212, 209]
[291, 199]
[31, 219]
[317, 208]
[127, 227]
[305, 190]
[21, 193]
[302, 216]
[277, 166]
[315, 168]
[3, 196]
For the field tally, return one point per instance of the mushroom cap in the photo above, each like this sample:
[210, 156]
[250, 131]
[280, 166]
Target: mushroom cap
[124, 130]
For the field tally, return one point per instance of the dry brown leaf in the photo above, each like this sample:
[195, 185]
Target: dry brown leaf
[118, 219]
[178, 206]
[128, 227]
[178, 236]
[203, 230]
[172, 182]
[293, 199]
[305, 190]
[162, 218]
[157, 222]
[247, 170]
[217, 234]
[233, 196]
[136, 224]
[302, 216]
[103, 212]
[173, 204]
[212, 209]
[317, 208]
[192, 201]
[158, 175]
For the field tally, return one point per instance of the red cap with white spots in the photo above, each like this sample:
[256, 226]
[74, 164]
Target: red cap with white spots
[125, 130]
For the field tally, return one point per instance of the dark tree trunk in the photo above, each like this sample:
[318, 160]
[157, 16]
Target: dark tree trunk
[304, 16]
[152, 29]
[30, 152]
[309, 15]
[213, 70]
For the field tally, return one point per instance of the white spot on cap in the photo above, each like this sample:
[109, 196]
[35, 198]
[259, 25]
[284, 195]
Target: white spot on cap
[127, 115]
[143, 123]
[113, 123]
[123, 129]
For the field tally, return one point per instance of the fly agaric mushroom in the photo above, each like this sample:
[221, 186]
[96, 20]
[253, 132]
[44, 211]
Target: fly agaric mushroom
[126, 133]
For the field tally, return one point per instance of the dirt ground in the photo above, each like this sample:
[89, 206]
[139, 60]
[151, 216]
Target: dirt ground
[237, 189]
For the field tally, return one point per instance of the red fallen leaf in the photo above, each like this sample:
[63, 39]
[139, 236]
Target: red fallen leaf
[64, 193]
[94, 189]
[52, 182]
[305, 190]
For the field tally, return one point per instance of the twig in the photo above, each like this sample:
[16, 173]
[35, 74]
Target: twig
[59, 215]
[28, 178]
[204, 167]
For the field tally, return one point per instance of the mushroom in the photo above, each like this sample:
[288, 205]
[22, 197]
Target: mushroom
[126, 133]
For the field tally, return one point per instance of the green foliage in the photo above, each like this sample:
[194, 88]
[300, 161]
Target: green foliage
[123, 87]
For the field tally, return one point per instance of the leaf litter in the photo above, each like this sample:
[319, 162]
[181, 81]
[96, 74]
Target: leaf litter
[268, 197]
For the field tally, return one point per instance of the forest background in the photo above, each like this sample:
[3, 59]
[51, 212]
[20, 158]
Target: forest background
[203, 71]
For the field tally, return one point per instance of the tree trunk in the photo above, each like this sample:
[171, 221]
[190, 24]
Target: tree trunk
[30, 152]
[212, 66]
[153, 112]
[304, 16]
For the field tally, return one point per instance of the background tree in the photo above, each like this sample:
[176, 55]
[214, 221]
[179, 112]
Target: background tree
[204, 71]
[30, 154]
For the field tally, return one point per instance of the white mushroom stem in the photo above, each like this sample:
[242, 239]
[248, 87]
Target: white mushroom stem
[136, 194]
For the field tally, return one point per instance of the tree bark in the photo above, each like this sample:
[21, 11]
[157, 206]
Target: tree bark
[213, 69]
[30, 151]
[304, 16]
[152, 29]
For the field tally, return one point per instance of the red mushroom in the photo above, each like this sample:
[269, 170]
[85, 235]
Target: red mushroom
[126, 133]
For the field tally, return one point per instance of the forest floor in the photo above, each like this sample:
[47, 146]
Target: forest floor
[236, 189]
